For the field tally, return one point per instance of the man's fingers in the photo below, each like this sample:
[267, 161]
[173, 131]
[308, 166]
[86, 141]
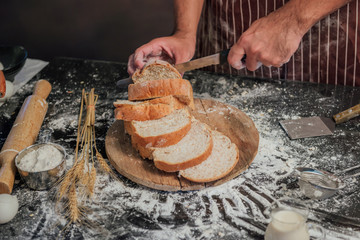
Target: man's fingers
[131, 68]
[251, 62]
[259, 64]
[234, 58]
[268, 63]
[152, 50]
[139, 63]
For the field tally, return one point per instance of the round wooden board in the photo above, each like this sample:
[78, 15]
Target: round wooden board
[227, 119]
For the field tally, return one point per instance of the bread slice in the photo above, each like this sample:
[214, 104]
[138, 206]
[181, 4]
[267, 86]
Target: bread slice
[179, 88]
[162, 132]
[155, 70]
[147, 110]
[222, 160]
[193, 149]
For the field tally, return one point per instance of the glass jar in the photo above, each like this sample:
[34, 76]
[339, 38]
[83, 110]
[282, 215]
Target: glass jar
[290, 223]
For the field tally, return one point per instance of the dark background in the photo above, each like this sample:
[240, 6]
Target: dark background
[103, 30]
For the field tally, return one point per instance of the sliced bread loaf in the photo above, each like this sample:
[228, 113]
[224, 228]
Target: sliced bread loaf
[179, 88]
[155, 70]
[222, 160]
[194, 148]
[147, 110]
[162, 132]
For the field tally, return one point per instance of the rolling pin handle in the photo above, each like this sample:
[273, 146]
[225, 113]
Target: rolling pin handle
[42, 88]
[7, 174]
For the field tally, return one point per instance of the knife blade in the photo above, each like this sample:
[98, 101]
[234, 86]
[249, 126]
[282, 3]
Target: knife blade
[217, 58]
[123, 83]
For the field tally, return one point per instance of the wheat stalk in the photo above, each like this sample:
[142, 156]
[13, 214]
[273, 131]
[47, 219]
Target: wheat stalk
[102, 163]
[104, 166]
[74, 212]
[83, 171]
[79, 170]
[65, 183]
[92, 180]
[85, 178]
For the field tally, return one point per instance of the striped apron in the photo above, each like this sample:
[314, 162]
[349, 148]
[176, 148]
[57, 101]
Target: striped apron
[328, 53]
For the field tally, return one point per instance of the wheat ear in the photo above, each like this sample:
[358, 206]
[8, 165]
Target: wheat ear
[103, 163]
[74, 212]
[79, 169]
[66, 182]
[92, 180]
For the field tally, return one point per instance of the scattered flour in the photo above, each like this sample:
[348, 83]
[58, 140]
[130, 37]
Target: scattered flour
[233, 210]
[63, 122]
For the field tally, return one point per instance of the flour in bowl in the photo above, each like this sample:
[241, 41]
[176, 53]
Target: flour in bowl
[44, 158]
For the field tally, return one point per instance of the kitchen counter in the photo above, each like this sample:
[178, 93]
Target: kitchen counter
[121, 209]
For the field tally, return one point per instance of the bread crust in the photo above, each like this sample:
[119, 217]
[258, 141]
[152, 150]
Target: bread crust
[167, 167]
[217, 177]
[143, 151]
[163, 140]
[148, 110]
[179, 88]
[157, 141]
[139, 73]
[147, 152]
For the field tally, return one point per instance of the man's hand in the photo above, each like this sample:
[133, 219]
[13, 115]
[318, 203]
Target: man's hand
[273, 39]
[177, 48]
[270, 40]
[174, 49]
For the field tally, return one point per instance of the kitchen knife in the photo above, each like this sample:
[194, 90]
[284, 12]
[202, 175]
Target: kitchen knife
[123, 83]
[217, 58]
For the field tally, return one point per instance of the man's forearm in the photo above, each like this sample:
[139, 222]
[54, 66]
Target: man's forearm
[308, 12]
[187, 15]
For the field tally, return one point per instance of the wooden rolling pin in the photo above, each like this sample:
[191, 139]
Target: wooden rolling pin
[23, 133]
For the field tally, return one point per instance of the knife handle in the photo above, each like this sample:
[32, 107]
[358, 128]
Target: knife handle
[347, 114]
[224, 54]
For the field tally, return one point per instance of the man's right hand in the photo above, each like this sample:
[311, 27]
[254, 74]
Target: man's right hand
[174, 49]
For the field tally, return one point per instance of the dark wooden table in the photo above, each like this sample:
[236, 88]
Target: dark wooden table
[234, 210]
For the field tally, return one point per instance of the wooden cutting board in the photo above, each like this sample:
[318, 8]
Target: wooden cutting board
[224, 118]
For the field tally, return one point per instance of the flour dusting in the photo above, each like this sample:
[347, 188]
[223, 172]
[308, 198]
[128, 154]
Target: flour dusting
[234, 210]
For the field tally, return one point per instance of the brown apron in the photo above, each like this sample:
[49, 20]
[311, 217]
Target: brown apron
[328, 53]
